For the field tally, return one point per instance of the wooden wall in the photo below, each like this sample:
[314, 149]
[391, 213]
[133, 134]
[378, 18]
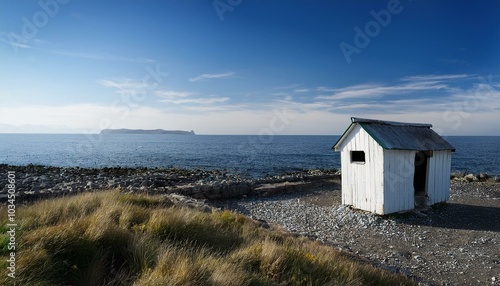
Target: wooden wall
[438, 177]
[399, 169]
[362, 184]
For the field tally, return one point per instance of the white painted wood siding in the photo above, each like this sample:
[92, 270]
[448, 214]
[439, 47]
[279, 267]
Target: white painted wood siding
[384, 183]
[438, 177]
[362, 184]
[399, 170]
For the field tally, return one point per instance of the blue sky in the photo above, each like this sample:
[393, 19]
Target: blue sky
[248, 67]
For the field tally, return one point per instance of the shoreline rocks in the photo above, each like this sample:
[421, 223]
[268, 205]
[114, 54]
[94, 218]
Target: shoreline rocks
[470, 177]
[35, 181]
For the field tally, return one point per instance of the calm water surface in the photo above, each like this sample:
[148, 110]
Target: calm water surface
[246, 155]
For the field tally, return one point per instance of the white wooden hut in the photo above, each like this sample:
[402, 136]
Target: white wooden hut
[390, 166]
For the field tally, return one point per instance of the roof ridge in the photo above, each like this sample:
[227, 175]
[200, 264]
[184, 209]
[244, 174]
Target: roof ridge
[393, 123]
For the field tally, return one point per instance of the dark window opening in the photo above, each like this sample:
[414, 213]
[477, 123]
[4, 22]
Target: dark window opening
[357, 156]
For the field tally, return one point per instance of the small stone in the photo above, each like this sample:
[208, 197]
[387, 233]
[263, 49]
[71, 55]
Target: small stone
[34, 189]
[470, 178]
[483, 176]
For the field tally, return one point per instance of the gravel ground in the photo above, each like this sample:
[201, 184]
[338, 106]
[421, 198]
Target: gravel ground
[457, 243]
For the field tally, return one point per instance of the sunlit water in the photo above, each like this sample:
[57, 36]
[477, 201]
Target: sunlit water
[245, 155]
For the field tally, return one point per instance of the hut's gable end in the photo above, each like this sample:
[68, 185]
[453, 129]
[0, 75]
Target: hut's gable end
[362, 181]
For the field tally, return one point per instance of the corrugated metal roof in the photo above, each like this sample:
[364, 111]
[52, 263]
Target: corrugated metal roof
[400, 135]
[394, 123]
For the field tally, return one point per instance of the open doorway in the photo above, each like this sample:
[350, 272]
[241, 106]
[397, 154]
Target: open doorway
[420, 178]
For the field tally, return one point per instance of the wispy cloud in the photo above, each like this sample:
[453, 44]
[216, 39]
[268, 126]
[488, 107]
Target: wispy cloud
[209, 100]
[125, 86]
[15, 40]
[357, 91]
[103, 57]
[432, 77]
[184, 97]
[218, 108]
[371, 91]
[280, 93]
[418, 94]
[20, 41]
[207, 76]
[301, 90]
[396, 106]
[170, 94]
[410, 84]
[324, 88]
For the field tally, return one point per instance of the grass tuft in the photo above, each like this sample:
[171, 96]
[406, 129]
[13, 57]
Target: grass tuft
[143, 200]
[110, 238]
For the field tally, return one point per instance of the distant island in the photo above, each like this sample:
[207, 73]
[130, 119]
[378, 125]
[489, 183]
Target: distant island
[143, 131]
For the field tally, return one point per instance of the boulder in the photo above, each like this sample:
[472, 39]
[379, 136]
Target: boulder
[91, 185]
[483, 176]
[470, 178]
[34, 189]
[184, 201]
[236, 190]
[159, 183]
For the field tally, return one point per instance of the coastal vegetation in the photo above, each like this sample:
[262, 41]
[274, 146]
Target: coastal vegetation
[116, 238]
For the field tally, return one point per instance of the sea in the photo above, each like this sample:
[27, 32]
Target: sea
[244, 155]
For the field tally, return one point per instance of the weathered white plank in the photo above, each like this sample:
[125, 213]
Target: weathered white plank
[438, 188]
[379, 176]
[443, 188]
[438, 177]
[431, 178]
[446, 176]
[398, 180]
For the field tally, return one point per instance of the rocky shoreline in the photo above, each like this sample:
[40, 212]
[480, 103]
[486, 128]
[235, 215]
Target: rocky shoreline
[35, 181]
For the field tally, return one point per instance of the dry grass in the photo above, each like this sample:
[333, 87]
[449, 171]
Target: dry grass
[110, 238]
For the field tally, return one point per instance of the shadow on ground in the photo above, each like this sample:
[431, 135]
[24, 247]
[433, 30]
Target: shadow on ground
[463, 216]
